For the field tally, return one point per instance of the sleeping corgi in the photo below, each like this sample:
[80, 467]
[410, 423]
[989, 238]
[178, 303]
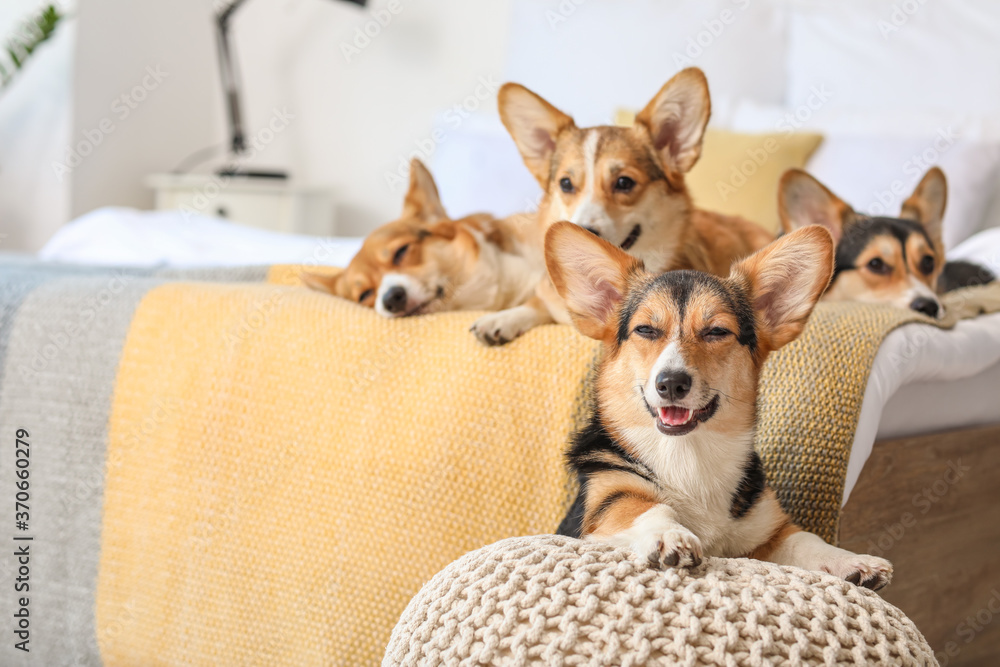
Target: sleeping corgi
[622, 184]
[898, 261]
[667, 466]
[425, 262]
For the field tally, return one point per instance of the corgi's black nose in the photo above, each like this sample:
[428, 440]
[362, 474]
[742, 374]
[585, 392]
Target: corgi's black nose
[673, 385]
[394, 299]
[928, 307]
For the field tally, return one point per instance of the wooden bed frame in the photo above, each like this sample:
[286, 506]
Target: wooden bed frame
[931, 505]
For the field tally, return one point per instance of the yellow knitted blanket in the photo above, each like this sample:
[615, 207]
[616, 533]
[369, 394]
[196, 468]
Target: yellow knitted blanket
[286, 469]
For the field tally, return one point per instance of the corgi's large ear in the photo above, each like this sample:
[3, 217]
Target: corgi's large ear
[535, 125]
[590, 274]
[422, 200]
[323, 282]
[926, 204]
[676, 118]
[784, 281]
[803, 201]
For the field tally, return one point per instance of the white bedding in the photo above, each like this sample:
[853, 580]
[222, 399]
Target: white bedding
[127, 237]
[923, 380]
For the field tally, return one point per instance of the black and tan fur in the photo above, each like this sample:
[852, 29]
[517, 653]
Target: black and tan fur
[667, 466]
[898, 261]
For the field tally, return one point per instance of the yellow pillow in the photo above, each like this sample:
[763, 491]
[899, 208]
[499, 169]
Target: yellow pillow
[738, 174]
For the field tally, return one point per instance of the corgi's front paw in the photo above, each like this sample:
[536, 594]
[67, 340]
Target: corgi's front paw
[860, 569]
[502, 327]
[674, 547]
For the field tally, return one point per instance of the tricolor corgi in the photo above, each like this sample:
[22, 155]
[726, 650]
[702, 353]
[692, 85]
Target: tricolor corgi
[425, 262]
[622, 184]
[667, 466]
[898, 261]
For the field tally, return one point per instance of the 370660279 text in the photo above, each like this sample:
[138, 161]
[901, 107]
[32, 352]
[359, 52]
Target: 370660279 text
[22, 541]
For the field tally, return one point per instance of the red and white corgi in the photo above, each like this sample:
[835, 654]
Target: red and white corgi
[425, 262]
[623, 184]
[898, 261]
[667, 466]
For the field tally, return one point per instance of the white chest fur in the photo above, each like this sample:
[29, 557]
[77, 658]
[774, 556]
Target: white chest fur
[699, 474]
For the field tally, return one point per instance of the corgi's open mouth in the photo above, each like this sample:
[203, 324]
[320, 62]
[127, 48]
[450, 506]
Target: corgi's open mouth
[425, 306]
[419, 310]
[675, 420]
[632, 237]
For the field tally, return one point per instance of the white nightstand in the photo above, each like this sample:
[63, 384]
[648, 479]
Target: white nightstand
[265, 203]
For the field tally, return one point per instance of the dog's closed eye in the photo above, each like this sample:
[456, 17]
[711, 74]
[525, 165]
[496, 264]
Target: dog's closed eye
[400, 253]
[715, 333]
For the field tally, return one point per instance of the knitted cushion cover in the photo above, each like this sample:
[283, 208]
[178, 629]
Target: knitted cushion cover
[559, 601]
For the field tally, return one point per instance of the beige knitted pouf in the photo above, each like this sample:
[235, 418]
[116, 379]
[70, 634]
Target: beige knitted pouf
[559, 601]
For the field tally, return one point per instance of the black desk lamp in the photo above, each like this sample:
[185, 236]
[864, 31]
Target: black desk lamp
[231, 89]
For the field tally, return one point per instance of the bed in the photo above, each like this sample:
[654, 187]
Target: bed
[931, 402]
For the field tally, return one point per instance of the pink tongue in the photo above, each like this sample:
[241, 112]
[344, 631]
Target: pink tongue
[675, 416]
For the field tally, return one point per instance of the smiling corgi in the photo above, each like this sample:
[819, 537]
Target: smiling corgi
[667, 466]
[898, 261]
[425, 262]
[623, 184]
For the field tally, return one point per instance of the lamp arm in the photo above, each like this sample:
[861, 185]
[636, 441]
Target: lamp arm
[227, 71]
[229, 75]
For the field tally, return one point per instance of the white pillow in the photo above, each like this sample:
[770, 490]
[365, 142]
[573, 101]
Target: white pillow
[982, 248]
[592, 57]
[817, 114]
[864, 151]
[875, 174]
[908, 54]
[477, 168]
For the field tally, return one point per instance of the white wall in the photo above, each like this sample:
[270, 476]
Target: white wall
[353, 120]
[161, 118]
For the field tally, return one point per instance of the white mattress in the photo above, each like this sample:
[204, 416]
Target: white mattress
[923, 380]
